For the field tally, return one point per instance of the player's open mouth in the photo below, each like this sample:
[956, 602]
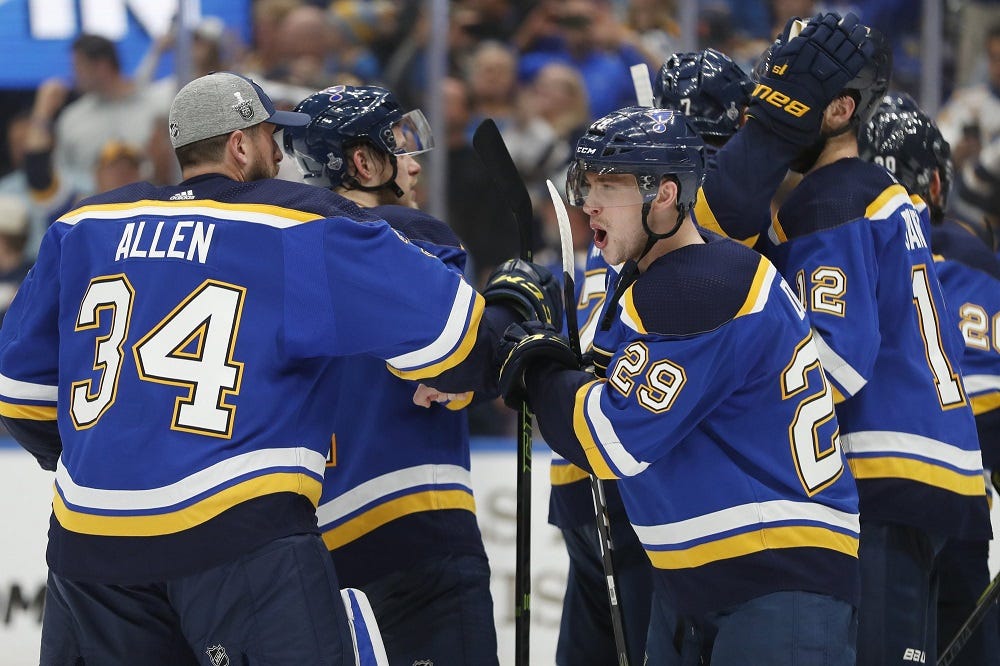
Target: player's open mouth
[600, 238]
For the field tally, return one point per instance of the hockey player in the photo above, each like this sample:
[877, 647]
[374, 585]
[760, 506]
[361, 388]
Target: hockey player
[397, 510]
[164, 358]
[851, 241]
[909, 145]
[712, 91]
[763, 569]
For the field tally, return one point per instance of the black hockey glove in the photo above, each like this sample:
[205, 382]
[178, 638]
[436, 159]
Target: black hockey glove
[523, 345]
[799, 76]
[528, 288]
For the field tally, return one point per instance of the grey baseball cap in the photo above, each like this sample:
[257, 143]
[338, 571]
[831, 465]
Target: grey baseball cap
[220, 103]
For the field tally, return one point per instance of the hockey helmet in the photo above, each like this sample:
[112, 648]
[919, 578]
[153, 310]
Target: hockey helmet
[708, 87]
[345, 116]
[645, 142]
[905, 141]
[872, 82]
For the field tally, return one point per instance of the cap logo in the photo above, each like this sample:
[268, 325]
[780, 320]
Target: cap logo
[334, 163]
[336, 92]
[243, 106]
[174, 130]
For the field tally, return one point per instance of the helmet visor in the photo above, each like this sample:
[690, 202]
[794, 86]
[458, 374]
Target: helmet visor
[603, 188]
[413, 134]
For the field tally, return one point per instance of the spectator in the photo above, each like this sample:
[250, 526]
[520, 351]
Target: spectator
[111, 107]
[14, 263]
[971, 118]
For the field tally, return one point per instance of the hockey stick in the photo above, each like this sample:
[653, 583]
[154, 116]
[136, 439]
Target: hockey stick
[964, 633]
[596, 487]
[492, 151]
[640, 81]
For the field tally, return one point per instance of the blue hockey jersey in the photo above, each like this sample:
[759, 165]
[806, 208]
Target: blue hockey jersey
[181, 339]
[970, 278]
[719, 425]
[851, 242]
[398, 473]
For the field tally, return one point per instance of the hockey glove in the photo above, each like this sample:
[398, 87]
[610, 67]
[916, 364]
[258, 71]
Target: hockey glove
[526, 344]
[528, 288]
[799, 76]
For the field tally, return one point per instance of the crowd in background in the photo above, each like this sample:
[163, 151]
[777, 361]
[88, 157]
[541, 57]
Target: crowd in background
[542, 69]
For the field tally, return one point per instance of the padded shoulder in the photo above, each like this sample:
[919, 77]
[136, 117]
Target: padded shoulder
[695, 289]
[833, 195]
[956, 243]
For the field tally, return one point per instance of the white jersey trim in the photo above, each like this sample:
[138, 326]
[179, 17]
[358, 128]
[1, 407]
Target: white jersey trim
[190, 486]
[890, 207]
[837, 368]
[900, 443]
[607, 438]
[450, 337]
[981, 383]
[12, 388]
[171, 209]
[389, 484]
[745, 515]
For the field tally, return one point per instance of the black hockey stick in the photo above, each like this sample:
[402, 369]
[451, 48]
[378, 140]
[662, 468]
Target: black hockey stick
[986, 601]
[596, 487]
[492, 151]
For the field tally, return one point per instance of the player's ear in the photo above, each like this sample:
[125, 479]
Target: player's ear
[238, 147]
[666, 197]
[838, 112]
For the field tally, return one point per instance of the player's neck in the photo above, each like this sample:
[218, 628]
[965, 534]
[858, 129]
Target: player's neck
[686, 235]
[837, 148]
[360, 197]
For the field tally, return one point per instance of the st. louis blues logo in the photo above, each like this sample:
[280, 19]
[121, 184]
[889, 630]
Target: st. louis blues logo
[660, 119]
[217, 655]
[243, 106]
[336, 93]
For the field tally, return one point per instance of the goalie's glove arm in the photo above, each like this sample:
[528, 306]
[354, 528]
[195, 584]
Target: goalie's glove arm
[747, 173]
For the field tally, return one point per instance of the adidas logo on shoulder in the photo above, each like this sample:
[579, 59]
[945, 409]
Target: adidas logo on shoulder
[183, 196]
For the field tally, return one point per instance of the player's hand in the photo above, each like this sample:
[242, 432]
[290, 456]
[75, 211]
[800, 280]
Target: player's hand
[528, 288]
[425, 396]
[799, 76]
[526, 344]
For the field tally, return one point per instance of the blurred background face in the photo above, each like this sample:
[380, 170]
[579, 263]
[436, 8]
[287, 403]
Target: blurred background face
[86, 73]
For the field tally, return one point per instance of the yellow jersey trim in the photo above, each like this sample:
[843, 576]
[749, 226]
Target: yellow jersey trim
[980, 403]
[754, 294]
[885, 197]
[189, 516]
[27, 412]
[768, 538]
[371, 520]
[602, 469]
[263, 209]
[887, 467]
[706, 219]
[561, 475]
[456, 357]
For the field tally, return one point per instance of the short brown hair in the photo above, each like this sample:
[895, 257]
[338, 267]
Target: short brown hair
[207, 150]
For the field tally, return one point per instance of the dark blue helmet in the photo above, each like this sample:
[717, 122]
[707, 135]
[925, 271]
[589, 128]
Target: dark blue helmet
[708, 87]
[345, 116]
[645, 142]
[872, 82]
[904, 140]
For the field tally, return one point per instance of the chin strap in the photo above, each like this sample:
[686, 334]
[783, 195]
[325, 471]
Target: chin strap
[351, 183]
[630, 269]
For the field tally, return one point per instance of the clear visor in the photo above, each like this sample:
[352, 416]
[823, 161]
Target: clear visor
[413, 134]
[602, 189]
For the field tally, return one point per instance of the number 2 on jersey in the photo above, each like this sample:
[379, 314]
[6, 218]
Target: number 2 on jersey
[192, 347]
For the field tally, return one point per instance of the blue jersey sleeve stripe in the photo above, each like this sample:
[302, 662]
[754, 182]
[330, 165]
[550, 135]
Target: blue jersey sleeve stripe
[18, 390]
[28, 412]
[849, 381]
[630, 314]
[981, 383]
[272, 216]
[307, 461]
[746, 516]
[899, 467]
[368, 521]
[191, 516]
[452, 345]
[772, 538]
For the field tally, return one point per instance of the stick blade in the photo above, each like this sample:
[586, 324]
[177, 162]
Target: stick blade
[492, 151]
